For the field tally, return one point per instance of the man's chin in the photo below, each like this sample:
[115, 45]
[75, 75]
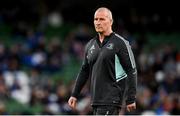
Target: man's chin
[99, 31]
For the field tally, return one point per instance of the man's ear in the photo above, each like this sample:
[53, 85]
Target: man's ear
[111, 21]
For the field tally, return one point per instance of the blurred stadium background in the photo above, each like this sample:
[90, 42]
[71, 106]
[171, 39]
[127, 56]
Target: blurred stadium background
[41, 50]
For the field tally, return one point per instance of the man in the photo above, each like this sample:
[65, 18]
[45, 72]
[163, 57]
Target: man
[109, 62]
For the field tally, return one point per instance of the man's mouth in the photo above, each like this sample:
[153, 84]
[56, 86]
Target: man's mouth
[98, 27]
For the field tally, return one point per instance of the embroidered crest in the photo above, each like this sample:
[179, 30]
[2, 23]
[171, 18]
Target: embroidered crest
[110, 46]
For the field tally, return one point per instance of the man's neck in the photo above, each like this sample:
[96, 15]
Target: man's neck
[102, 35]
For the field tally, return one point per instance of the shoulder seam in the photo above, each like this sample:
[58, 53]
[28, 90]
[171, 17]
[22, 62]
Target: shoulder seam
[122, 38]
[130, 53]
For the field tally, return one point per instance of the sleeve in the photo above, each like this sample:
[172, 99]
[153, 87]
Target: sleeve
[126, 57]
[82, 76]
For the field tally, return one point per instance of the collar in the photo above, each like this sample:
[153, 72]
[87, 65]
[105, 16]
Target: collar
[106, 39]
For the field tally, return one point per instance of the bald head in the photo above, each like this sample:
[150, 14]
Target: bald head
[106, 10]
[103, 21]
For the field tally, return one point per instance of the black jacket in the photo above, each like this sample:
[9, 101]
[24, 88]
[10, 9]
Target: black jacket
[112, 69]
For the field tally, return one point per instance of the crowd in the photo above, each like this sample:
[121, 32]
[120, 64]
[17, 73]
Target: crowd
[27, 66]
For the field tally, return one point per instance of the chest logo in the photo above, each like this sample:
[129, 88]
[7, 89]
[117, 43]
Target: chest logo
[91, 49]
[110, 46]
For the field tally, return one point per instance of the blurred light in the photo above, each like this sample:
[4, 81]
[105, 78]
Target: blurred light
[159, 76]
[55, 19]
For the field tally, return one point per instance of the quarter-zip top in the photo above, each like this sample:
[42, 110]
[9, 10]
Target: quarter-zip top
[111, 66]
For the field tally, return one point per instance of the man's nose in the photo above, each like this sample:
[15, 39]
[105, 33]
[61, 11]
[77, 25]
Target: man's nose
[98, 22]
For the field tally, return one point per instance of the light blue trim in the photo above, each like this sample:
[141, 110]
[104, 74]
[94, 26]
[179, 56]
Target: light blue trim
[120, 73]
[131, 56]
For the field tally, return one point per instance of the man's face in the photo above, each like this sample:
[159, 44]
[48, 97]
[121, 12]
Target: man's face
[102, 21]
